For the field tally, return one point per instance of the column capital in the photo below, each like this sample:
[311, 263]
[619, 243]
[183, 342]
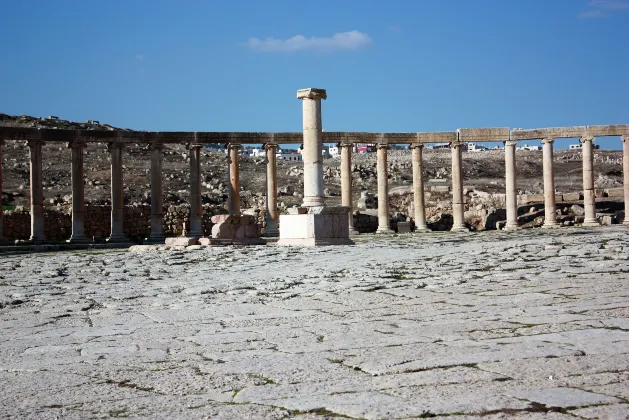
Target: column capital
[191, 146]
[382, 146]
[34, 143]
[270, 146]
[156, 146]
[341, 145]
[548, 140]
[510, 143]
[416, 146]
[231, 146]
[77, 144]
[456, 144]
[115, 145]
[624, 138]
[312, 93]
[586, 138]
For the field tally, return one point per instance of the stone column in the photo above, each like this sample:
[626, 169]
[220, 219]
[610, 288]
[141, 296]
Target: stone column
[38, 235]
[511, 191]
[117, 198]
[550, 217]
[233, 191]
[458, 215]
[313, 146]
[1, 219]
[271, 216]
[625, 173]
[346, 183]
[196, 210]
[589, 200]
[157, 195]
[78, 193]
[418, 188]
[384, 222]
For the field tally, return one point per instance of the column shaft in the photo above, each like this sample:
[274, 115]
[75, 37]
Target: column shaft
[157, 195]
[1, 218]
[346, 182]
[38, 235]
[271, 215]
[625, 173]
[196, 210]
[312, 153]
[233, 191]
[418, 189]
[117, 198]
[78, 193]
[550, 217]
[384, 223]
[458, 215]
[511, 191]
[589, 200]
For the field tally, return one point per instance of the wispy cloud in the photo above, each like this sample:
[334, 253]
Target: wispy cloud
[603, 8]
[344, 41]
[139, 57]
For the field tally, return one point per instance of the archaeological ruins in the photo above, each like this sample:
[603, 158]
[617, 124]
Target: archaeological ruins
[313, 223]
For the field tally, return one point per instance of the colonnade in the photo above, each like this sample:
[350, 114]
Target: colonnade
[312, 194]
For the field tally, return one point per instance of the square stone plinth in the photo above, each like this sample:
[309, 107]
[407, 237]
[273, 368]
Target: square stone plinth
[314, 226]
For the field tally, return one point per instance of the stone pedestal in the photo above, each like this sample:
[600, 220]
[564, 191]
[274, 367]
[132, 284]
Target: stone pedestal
[314, 226]
[231, 229]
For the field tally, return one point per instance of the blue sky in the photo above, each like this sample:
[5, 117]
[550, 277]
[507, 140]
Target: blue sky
[393, 66]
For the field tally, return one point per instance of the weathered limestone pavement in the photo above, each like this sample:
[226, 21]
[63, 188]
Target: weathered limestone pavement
[520, 325]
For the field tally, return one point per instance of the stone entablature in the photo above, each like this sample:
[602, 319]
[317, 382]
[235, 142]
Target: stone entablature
[462, 135]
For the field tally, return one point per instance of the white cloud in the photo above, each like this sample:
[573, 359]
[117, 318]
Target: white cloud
[352, 40]
[610, 4]
[603, 8]
[592, 14]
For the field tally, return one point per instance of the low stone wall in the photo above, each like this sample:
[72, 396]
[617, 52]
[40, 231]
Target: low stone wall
[137, 221]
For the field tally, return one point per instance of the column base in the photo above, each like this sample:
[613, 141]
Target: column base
[591, 223]
[37, 241]
[156, 239]
[511, 227]
[385, 230]
[422, 229]
[271, 233]
[79, 240]
[626, 221]
[459, 229]
[353, 231]
[550, 224]
[118, 239]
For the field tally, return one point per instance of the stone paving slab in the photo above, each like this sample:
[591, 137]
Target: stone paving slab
[525, 325]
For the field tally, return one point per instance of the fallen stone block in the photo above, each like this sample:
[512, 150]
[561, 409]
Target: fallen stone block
[571, 197]
[224, 230]
[614, 192]
[222, 218]
[181, 241]
[404, 227]
[531, 198]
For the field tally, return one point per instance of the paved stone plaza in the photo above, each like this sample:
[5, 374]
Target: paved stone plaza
[526, 324]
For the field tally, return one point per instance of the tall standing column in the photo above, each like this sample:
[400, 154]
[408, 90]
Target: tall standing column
[271, 215]
[346, 183]
[157, 195]
[233, 192]
[78, 193]
[418, 188]
[1, 219]
[384, 222]
[117, 199]
[550, 215]
[196, 209]
[625, 173]
[511, 191]
[38, 235]
[458, 215]
[589, 200]
[313, 146]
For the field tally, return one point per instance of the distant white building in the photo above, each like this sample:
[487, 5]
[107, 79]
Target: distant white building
[473, 147]
[529, 148]
[288, 156]
[258, 152]
[334, 151]
[579, 146]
